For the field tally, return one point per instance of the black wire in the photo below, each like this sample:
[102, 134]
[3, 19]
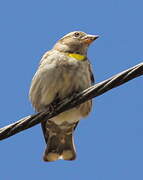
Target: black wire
[69, 102]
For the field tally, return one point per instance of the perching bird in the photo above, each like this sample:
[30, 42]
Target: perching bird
[63, 71]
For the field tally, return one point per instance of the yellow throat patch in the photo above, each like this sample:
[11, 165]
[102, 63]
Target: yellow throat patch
[77, 56]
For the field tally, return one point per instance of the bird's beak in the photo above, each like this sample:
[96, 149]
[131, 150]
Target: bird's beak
[88, 39]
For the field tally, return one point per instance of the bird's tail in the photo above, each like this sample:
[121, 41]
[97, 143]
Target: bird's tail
[60, 145]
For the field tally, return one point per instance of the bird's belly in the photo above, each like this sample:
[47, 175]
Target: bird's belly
[70, 116]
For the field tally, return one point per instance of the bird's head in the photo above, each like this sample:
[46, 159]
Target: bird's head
[75, 42]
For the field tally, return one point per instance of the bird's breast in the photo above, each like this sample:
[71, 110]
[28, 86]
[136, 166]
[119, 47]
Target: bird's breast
[74, 77]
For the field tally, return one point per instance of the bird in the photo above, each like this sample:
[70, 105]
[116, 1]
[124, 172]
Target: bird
[63, 71]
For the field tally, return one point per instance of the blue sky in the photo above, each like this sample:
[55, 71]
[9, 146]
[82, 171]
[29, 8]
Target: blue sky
[110, 141]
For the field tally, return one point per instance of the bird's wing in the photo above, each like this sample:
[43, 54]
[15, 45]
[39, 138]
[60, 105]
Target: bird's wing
[91, 74]
[43, 123]
[46, 136]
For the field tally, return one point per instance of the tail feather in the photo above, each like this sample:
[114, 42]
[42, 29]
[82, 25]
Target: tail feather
[60, 146]
[69, 152]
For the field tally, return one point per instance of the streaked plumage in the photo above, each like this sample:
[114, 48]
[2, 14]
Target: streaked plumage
[63, 71]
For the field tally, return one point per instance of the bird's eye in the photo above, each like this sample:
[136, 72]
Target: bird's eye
[76, 34]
